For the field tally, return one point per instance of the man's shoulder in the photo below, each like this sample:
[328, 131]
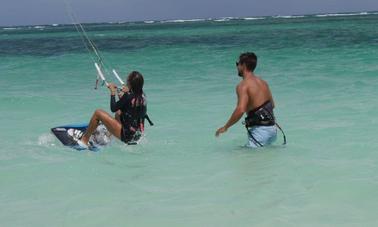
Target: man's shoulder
[260, 79]
[250, 82]
[242, 86]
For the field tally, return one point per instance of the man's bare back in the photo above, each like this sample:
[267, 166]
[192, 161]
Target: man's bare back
[257, 90]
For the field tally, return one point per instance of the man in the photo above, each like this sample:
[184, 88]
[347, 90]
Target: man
[255, 99]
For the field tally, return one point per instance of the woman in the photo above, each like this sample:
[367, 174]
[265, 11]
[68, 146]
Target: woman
[133, 108]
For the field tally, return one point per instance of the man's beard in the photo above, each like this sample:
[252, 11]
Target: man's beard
[240, 73]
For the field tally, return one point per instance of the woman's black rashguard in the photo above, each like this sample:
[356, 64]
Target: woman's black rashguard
[132, 115]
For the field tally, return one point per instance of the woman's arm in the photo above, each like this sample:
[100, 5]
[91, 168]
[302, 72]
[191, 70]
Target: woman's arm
[115, 106]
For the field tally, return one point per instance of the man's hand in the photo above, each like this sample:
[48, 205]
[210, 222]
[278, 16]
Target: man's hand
[220, 131]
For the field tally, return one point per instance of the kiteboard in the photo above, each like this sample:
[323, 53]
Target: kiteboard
[69, 135]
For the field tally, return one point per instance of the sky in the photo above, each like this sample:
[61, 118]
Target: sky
[38, 12]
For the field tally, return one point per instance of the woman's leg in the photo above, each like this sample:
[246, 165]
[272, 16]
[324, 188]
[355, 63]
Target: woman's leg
[110, 123]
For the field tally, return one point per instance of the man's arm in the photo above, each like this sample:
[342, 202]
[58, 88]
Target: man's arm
[270, 95]
[240, 109]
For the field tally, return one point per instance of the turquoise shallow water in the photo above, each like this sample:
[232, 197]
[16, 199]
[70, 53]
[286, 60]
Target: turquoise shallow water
[323, 75]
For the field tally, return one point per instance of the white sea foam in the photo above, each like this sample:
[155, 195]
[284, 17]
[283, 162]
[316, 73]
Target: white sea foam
[12, 28]
[289, 16]
[149, 22]
[254, 18]
[222, 19]
[343, 14]
[55, 25]
[39, 27]
[183, 20]
[46, 140]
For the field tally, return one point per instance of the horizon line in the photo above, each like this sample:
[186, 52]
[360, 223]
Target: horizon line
[276, 16]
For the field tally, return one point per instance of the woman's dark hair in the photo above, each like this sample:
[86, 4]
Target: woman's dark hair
[249, 59]
[136, 82]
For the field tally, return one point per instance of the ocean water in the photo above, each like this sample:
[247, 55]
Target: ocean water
[323, 73]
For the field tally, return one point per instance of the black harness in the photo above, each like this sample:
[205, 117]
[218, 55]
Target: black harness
[262, 116]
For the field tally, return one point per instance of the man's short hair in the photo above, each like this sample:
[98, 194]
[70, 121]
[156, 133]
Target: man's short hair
[249, 59]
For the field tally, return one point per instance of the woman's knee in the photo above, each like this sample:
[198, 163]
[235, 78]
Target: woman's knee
[99, 112]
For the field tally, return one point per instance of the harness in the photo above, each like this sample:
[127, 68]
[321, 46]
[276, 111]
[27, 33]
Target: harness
[262, 116]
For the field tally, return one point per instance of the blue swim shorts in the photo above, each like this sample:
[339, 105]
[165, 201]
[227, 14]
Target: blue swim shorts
[261, 135]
